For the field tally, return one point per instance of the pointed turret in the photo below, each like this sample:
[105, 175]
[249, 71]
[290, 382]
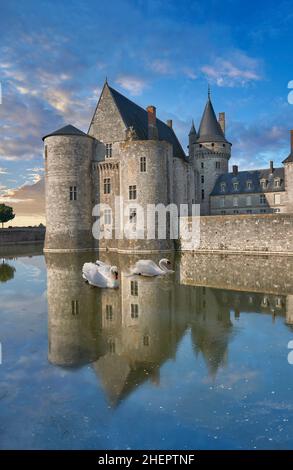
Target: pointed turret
[192, 136]
[210, 129]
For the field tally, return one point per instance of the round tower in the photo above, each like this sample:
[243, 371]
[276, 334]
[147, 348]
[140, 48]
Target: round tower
[211, 152]
[288, 170]
[68, 160]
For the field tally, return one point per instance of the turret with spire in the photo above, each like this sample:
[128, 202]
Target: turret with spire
[211, 151]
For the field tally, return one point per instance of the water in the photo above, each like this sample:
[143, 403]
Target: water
[198, 360]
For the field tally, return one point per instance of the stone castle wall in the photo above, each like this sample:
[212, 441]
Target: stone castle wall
[19, 236]
[261, 233]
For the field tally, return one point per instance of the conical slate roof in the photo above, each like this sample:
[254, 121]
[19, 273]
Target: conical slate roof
[66, 130]
[209, 129]
[289, 159]
[192, 129]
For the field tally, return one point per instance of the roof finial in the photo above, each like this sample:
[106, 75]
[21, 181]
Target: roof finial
[106, 80]
[209, 91]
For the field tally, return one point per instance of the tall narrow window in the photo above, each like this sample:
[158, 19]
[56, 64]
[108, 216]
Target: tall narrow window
[202, 178]
[249, 184]
[277, 198]
[202, 164]
[108, 150]
[277, 183]
[134, 288]
[222, 202]
[132, 216]
[248, 200]
[107, 217]
[132, 192]
[74, 307]
[262, 199]
[134, 311]
[142, 164]
[73, 193]
[112, 346]
[202, 194]
[236, 186]
[235, 201]
[107, 185]
[109, 312]
[223, 187]
[218, 165]
[146, 340]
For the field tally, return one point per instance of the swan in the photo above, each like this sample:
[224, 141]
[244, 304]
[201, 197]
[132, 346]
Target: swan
[147, 267]
[100, 275]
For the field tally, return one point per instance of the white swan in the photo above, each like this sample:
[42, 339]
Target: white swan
[100, 275]
[147, 267]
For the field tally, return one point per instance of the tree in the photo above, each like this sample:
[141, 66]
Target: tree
[6, 272]
[6, 214]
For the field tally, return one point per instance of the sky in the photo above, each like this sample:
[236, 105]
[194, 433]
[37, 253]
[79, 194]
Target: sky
[55, 55]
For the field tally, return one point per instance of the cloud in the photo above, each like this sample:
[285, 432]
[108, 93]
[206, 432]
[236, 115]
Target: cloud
[239, 70]
[3, 171]
[162, 66]
[133, 84]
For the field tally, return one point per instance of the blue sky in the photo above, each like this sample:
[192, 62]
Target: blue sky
[55, 56]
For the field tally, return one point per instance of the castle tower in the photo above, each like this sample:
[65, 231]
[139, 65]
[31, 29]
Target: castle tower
[288, 167]
[211, 153]
[68, 160]
[192, 136]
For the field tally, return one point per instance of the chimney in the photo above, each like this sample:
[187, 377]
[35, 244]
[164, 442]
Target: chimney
[222, 122]
[272, 166]
[235, 169]
[169, 123]
[152, 123]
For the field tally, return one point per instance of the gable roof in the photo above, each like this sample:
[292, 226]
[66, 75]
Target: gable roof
[209, 129]
[66, 130]
[255, 176]
[137, 117]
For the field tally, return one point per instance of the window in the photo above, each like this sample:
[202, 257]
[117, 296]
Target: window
[134, 288]
[108, 150]
[249, 211]
[249, 184]
[132, 192]
[263, 184]
[202, 179]
[142, 164]
[107, 217]
[111, 346]
[248, 200]
[262, 199]
[146, 340]
[107, 185]
[72, 193]
[132, 216]
[235, 185]
[263, 211]
[218, 165]
[134, 311]
[223, 212]
[277, 183]
[276, 210]
[109, 312]
[235, 201]
[202, 194]
[277, 199]
[202, 164]
[235, 211]
[222, 202]
[213, 144]
[223, 187]
[74, 307]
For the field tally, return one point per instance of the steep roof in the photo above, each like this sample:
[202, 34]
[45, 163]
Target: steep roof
[255, 176]
[66, 130]
[289, 159]
[209, 129]
[137, 117]
[192, 129]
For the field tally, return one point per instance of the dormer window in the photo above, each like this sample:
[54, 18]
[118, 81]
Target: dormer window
[236, 185]
[277, 182]
[263, 184]
[249, 184]
[223, 187]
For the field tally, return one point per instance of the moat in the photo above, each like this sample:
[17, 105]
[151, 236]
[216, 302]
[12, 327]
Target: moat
[195, 360]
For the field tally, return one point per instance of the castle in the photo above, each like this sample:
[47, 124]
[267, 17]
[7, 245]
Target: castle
[129, 152]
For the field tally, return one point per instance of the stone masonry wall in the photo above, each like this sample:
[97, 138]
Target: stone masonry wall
[15, 236]
[262, 233]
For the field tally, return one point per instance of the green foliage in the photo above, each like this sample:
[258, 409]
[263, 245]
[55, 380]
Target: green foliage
[6, 214]
[6, 272]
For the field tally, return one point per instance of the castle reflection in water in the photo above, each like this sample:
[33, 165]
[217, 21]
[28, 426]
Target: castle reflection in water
[128, 333]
